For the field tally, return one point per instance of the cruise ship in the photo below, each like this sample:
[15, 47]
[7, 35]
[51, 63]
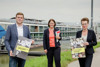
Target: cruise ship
[37, 27]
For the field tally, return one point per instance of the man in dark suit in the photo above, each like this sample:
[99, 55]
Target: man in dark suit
[90, 41]
[13, 31]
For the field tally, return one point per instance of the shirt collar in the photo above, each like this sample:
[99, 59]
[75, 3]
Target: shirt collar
[19, 26]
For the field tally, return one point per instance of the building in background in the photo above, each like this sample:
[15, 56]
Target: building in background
[37, 28]
[97, 30]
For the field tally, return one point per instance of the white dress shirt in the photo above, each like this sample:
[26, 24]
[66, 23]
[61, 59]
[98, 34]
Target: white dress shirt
[19, 30]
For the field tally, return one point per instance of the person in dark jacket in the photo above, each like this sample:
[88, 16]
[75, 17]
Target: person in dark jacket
[51, 43]
[90, 41]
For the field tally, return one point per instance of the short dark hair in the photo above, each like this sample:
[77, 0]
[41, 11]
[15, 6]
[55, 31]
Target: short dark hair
[50, 21]
[20, 13]
[85, 19]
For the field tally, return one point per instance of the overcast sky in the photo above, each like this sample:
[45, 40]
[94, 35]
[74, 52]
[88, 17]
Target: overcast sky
[60, 10]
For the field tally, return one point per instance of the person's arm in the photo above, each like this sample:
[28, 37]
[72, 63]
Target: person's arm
[29, 36]
[94, 42]
[7, 39]
[44, 40]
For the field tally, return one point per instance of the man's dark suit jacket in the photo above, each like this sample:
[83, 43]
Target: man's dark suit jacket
[12, 36]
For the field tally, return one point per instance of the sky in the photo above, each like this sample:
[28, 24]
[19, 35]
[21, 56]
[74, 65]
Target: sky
[60, 10]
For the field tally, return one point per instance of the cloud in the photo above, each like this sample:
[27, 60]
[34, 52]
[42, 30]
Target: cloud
[60, 10]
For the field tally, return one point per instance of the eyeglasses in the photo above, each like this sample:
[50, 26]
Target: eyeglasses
[84, 24]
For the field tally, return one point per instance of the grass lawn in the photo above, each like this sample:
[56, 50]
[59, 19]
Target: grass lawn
[66, 58]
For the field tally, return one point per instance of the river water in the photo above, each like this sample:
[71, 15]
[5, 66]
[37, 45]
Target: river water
[4, 59]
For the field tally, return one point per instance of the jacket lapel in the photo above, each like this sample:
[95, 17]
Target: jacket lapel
[15, 30]
[24, 30]
[88, 35]
[48, 32]
[80, 34]
[55, 32]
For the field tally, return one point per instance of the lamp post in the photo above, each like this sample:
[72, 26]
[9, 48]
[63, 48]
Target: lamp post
[92, 14]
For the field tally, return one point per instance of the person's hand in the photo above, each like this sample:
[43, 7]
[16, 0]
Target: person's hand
[11, 54]
[86, 43]
[45, 50]
[32, 41]
[57, 37]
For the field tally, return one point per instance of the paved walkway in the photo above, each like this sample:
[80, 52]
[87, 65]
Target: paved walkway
[95, 62]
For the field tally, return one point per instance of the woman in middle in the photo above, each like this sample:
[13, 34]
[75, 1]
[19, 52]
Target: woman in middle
[51, 43]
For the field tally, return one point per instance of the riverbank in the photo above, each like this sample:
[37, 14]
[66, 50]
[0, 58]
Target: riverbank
[4, 58]
[66, 58]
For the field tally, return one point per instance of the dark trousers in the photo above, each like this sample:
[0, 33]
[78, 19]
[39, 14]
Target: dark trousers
[16, 62]
[86, 62]
[54, 52]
